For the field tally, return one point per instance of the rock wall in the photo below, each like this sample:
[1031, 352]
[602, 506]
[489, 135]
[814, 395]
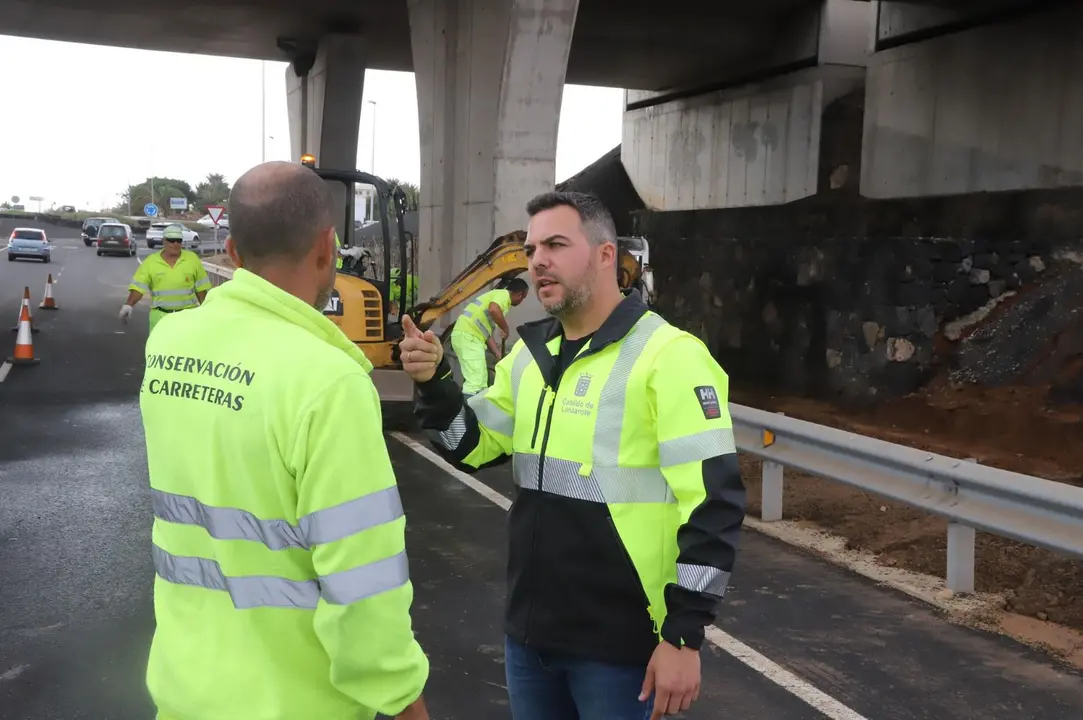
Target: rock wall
[842, 296]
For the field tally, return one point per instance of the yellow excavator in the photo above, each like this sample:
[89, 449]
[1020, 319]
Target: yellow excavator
[361, 303]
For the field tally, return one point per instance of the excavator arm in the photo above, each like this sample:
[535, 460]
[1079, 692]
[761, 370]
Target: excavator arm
[505, 258]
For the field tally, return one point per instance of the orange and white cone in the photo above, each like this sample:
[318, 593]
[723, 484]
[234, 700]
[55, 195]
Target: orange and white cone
[24, 341]
[49, 302]
[25, 304]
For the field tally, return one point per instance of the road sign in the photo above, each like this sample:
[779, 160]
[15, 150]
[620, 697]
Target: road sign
[215, 211]
[14, 198]
[178, 203]
[150, 209]
[36, 198]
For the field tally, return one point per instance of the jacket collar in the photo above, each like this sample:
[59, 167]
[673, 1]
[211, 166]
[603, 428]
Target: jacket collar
[620, 322]
[248, 288]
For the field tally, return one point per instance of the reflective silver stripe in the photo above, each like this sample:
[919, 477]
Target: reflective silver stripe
[142, 287]
[453, 435]
[484, 330]
[610, 418]
[175, 292]
[350, 586]
[351, 517]
[522, 362]
[316, 528]
[698, 447]
[248, 591]
[203, 284]
[225, 523]
[602, 485]
[251, 591]
[490, 415]
[702, 578]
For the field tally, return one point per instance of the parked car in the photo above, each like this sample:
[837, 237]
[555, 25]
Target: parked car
[116, 239]
[90, 228]
[154, 235]
[28, 243]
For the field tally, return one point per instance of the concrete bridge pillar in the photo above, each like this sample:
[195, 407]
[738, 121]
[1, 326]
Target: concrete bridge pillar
[324, 86]
[490, 80]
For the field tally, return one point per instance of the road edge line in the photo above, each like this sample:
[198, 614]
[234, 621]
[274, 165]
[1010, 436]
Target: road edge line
[5, 368]
[788, 681]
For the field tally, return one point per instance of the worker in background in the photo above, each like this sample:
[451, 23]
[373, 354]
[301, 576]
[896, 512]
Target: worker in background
[411, 290]
[473, 332]
[282, 587]
[621, 435]
[338, 252]
[174, 278]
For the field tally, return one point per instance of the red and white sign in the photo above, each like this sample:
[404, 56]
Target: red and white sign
[215, 211]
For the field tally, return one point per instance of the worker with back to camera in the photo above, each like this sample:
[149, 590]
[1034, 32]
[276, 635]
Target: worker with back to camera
[282, 587]
[473, 331]
[174, 278]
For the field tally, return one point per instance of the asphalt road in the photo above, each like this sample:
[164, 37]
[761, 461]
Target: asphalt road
[75, 573]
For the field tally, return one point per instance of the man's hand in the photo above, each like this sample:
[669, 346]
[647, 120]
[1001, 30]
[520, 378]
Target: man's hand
[415, 710]
[420, 352]
[674, 676]
[125, 312]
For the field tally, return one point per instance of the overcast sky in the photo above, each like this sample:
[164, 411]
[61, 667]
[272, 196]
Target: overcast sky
[81, 121]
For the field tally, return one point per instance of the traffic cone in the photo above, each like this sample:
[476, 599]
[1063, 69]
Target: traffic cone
[48, 302]
[24, 342]
[25, 304]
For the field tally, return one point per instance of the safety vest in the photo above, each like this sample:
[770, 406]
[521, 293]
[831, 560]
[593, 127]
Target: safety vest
[338, 257]
[594, 440]
[475, 319]
[281, 590]
[171, 287]
[411, 287]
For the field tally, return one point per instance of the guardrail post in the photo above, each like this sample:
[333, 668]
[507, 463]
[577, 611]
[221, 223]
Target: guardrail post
[771, 498]
[771, 484]
[960, 571]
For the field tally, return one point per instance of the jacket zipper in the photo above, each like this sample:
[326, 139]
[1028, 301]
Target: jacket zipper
[537, 418]
[537, 520]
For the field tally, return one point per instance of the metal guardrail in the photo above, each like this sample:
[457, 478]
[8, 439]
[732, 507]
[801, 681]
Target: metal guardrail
[970, 496]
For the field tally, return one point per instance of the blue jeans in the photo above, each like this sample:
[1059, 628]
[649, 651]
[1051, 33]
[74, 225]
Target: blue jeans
[553, 686]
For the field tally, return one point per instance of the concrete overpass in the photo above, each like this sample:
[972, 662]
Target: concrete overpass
[489, 75]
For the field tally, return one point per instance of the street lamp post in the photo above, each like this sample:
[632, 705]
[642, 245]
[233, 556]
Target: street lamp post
[372, 158]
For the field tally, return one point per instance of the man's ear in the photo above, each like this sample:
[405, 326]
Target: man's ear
[608, 254]
[327, 251]
[231, 250]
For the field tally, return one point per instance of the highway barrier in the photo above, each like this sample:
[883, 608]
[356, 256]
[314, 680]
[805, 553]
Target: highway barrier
[970, 496]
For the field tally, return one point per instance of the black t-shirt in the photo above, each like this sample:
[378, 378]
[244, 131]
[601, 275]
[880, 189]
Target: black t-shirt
[568, 350]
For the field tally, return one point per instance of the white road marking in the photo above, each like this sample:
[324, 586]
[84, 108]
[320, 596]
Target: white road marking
[797, 686]
[4, 370]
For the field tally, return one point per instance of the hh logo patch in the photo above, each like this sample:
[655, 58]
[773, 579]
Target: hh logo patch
[708, 402]
[582, 385]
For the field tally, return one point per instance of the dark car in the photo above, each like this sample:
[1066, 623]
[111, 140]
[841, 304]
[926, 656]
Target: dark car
[28, 243]
[90, 228]
[115, 239]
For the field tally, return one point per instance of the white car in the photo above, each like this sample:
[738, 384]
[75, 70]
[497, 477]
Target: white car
[156, 230]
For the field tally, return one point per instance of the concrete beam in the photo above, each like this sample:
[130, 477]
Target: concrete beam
[990, 109]
[756, 144]
[324, 106]
[490, 80]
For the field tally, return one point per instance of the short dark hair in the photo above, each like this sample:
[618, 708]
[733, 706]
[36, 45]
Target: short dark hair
[277, 209]
[517, 285]
[592, 213]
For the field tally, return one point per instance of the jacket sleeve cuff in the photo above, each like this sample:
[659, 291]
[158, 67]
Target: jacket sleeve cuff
[681, 632]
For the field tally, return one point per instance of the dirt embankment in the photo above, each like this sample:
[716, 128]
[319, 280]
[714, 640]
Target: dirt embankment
[1007, 399]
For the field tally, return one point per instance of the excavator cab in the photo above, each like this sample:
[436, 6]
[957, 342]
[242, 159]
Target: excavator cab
[366, 284]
